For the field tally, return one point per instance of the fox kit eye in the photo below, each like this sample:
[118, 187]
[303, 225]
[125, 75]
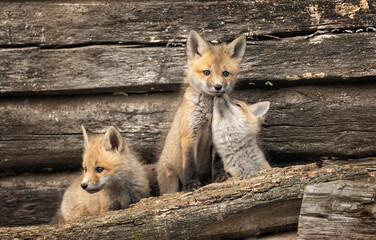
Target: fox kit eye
[99, 169]
[206, 72]
[237, 104]
[225, 73]
[85, 169]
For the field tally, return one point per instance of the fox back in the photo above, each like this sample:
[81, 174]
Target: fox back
[112, 178]
[235, 129]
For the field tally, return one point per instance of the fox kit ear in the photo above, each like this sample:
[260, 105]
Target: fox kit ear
[260, 109]
[196, 45]
[112, 140]
[236, 48]
[87, 135]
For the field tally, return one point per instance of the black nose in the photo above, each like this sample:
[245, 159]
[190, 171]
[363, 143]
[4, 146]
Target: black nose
[84, 185]
[218, 87]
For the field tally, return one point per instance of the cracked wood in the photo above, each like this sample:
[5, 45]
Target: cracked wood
[325, 120]
[338, 210]
[95, 69]
[64, 23]
[264, 203]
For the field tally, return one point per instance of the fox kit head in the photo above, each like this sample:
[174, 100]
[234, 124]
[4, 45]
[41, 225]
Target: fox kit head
[213, 68]
[238, 113]
[101, 158]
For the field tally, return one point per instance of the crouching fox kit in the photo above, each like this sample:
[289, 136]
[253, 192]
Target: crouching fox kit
[235, 128]
[212, 69]
[112, 178]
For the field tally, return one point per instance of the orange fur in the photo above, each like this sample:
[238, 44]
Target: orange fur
[185, 159]
[121, 180]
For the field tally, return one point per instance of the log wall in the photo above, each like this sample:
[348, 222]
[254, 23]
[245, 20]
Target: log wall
[100, 63]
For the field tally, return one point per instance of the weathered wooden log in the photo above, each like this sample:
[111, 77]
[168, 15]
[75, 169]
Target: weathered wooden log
[325, 120]
[65, 23]
[326, 58]
[266, 202]
[32, 198]
[369, 163]
[338, 210]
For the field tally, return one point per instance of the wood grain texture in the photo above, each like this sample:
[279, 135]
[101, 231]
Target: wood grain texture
[264, 203]
[31, 198]
[326, 120]
[108, 68]
[369, 163]
[338, 210]
[75, 22]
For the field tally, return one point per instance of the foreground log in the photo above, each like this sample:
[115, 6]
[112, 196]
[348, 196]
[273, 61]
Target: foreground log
[338, 210]
[326, 58]
[31, 198]
[266, 202]
[45, 132]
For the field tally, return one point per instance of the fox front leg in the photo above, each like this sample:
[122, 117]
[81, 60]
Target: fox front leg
[189, 173]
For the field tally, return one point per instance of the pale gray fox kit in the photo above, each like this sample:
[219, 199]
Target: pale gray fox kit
[235, 128]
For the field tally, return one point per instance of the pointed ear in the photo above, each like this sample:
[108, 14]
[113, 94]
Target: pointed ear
[196, 45]
[236, 48]
[260, 109]
[87, 135]
[112, 140]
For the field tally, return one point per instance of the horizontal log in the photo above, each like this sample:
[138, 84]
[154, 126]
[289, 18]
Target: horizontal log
[290, 61]
[31, 198]
[65, 23]
[312, 121]
[338, 210]
[264, 203]
[369, 163]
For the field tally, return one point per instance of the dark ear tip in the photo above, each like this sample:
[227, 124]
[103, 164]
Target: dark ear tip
[192, 32]
[242, 39]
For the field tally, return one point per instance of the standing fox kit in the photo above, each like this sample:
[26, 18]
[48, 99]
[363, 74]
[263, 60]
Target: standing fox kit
[235, 128]
[112, 179]
[212, 70]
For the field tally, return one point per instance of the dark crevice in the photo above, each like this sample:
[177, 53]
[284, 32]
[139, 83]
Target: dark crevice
[85, 44]
[282, 35]
[262, 37]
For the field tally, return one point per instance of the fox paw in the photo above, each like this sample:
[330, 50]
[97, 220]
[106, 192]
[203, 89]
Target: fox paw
[221, 177]
[191, 186]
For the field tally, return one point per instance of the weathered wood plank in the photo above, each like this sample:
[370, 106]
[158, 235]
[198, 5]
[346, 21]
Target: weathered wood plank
[326, 58]
[31, 198]
[369, 163]
[338, 210]
[326, 120]
[64, 23]
[264, 203]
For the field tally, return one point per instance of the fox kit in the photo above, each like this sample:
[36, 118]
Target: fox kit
[212, 69]
[235, 128]
[112, 179]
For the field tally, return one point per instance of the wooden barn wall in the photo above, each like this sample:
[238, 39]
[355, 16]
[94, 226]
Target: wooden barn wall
[101, 63]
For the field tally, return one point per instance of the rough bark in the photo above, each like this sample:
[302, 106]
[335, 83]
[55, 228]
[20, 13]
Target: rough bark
[338, 210]
[369, 163]
[326, 58]
[59, 23]
[313, 121]
[266, 202]
[31, 198]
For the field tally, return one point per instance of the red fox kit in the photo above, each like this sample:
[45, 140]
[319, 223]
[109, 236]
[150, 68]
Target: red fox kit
[212, 69]
[112, 179]
[235, 128]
